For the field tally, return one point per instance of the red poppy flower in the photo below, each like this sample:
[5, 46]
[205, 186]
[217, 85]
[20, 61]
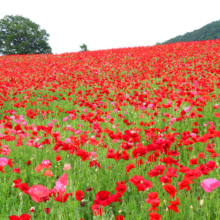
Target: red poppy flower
[173, 205]
[170, 189]
[24, 187]
[152, 197]
[154, 216]
[22, 217]
[1, 169]
[158, 170]
[62, 198]
[129, 167]
[103, 198]
[141, 183]
[119, 217]
[58, 158]
[97, 209]
[10, 163]
[17, 182]
[217, 115]
[184, 184]
[47, 210]
[120, 188]
[79, 195]
[201, 155]
[153, 200]
[16, 170]
[211, 165]
[88, 189]
[28, 162]
[193, 161]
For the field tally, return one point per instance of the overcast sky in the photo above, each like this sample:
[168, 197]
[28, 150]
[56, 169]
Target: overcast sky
[106, 24]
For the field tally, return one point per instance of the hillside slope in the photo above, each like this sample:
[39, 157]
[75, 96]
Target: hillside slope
[208, 32]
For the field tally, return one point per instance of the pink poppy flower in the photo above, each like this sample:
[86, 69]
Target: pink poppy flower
[59, 188]
[67, 166]
[63, 179]
[61, 183]
[3, 161]
[37, 192]
[78, 131]
[210, 184]
[65, 119]
[46, 164]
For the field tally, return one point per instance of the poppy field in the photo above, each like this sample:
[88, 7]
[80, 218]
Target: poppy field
[128, 133]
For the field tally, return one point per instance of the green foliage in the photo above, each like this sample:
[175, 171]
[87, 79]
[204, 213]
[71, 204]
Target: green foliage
[83, 47]
[19, 35]
[208, 32]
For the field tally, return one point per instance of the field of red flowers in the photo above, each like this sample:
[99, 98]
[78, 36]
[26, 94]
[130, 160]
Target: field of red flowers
[128, 133]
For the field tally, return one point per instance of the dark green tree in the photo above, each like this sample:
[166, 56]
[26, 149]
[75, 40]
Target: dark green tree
[83, 47]
[19, 35]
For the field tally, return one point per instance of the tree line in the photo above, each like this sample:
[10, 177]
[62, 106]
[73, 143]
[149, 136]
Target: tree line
[19, 35]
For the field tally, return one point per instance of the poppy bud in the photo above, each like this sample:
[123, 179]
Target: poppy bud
[82, 204]
[84, 200]
[201, 202]
[165, 202]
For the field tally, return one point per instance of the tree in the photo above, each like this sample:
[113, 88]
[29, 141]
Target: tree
[19, 35]
[83, 47]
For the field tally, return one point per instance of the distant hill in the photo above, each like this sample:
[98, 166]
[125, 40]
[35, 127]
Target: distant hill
[208, 32]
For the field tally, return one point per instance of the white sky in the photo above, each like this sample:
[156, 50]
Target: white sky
[106, 24]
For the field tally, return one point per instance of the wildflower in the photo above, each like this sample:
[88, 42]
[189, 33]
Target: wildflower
[38, 168]
[37, 192]
[48, 173]
[3, 161]
[129, 167]
[16, 170]
[97, 209]
[67, 166]
[120, 188]
[210, 184]
[79, 195]
[65, 119]
[152, 197]
[103, 198]
[47, 210]
[184, 184]
[173, 205]
[170, 189]
[62, 198]
[46, 164]
[22, 217]
[88, 189]
[119, 217]
[154, 216]
[141, 183]
[58, 158]
[24, 187]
